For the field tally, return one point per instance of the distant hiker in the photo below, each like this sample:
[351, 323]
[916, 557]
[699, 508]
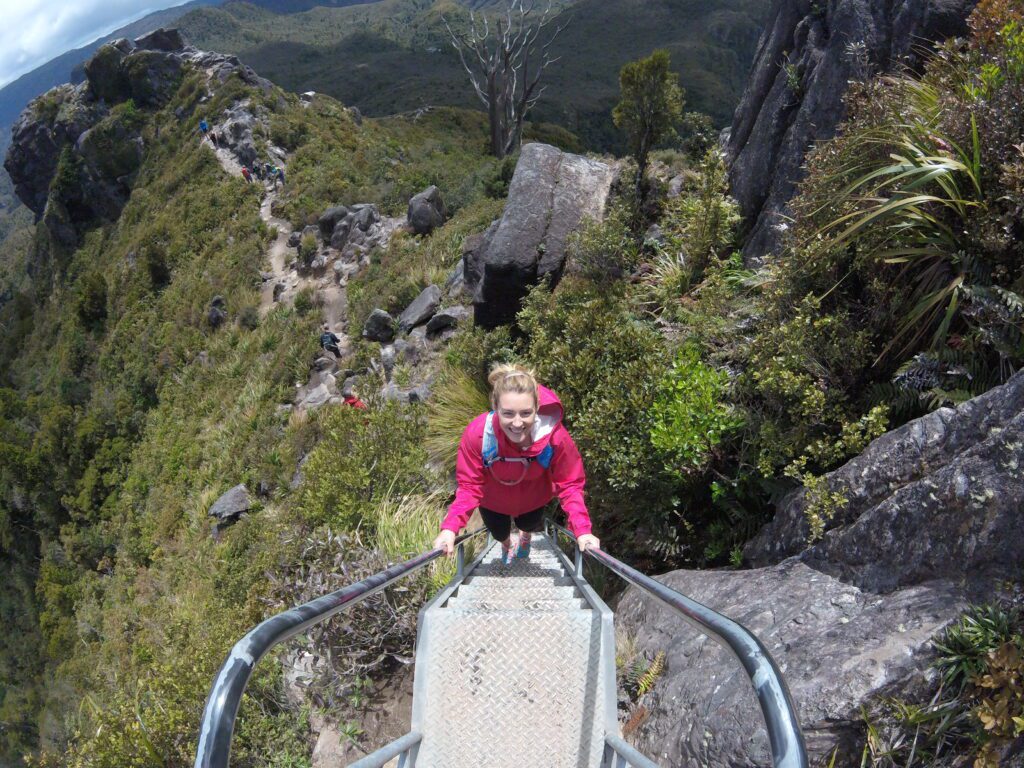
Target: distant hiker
[246, 175]
[330, 341]
[514, 460]
[352, 398]
[213, 139]
[203, 127]
[279, 177]
[267, 170]
[257, 170]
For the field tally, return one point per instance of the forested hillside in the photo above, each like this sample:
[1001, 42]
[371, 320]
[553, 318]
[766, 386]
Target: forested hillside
[395, 55]
[178, 461]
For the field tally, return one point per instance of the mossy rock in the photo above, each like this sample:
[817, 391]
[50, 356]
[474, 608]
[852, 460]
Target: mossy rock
[153, 77]
[106, 75]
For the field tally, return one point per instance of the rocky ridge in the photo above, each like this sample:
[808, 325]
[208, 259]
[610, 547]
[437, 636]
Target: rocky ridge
[73, 130]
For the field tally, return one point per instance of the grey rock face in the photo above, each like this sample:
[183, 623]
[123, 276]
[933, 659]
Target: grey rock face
[235, 132]
[153, 76]
[49, 123]
[379, 326]
[340, 233]
[230, 506]
[422, 308]
[294, 239]
[938, 497]
[107, 79]
[330, 218]
[933, 523]
[774, 124]
[426, 211]
[446, 318]
[551, 193]
[835, 644]
[365, 216]
[161, 40]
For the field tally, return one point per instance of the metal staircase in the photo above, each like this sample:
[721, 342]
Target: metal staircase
[514, 675]
[515, 666]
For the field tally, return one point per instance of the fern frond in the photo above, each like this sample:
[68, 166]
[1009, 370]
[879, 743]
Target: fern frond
[652, 674]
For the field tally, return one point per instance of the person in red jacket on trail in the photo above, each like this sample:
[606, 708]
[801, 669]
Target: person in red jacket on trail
[514, 460]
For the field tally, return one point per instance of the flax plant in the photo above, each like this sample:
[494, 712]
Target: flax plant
[911, 212]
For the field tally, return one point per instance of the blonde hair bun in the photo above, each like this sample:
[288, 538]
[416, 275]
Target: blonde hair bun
[512, 378]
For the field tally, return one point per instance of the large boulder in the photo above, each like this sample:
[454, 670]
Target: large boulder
[937, 496]
[153, 76]
[836, 645]
[805, 58]
[426, 211]
[106, 76]
[379, 326]
[932, 523]
[161, 40]
[236, 132]
[329, 219]
[230, 506]
[550, 195]
[422, 308]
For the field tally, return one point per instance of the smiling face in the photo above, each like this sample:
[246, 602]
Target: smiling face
[516, 414]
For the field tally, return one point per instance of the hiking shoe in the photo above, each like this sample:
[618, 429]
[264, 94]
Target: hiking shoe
[523, 552]
[509, 553]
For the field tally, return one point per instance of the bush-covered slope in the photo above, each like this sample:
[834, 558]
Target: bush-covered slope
[124, 415]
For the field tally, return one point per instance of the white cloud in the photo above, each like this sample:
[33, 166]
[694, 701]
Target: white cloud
[34, 31]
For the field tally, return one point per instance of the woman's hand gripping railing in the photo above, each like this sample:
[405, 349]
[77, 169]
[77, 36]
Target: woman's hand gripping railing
[784, 734]
[218, 723]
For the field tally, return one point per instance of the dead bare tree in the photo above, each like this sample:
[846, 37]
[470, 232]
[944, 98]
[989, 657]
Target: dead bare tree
[505, 65]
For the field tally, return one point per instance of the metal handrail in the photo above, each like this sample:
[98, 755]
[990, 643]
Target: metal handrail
[218, 725]
[784, 734]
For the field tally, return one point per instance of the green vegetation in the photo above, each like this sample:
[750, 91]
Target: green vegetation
[395, 56]
[124, 416]
[651, 107]
[977, 707]
[695, 389]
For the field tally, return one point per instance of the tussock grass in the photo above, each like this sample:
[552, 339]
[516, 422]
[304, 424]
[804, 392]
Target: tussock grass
[457, 400]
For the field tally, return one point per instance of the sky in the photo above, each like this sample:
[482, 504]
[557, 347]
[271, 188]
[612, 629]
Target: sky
[35, 31]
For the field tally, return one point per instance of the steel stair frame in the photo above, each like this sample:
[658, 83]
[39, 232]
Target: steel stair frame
[785, 736]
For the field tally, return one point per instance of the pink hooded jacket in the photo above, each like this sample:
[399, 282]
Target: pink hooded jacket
[479, 487]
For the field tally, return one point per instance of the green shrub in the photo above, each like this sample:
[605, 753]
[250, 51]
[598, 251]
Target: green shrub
[605, 365]
[690, 416]
[604, 251]
[362, 457]
[305, 301]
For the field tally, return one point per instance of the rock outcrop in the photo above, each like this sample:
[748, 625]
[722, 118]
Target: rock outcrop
[939, 495]
[933, 523]
[806, 55]
[102, 150]
[230, 506]
[426, 211]
[550, 195]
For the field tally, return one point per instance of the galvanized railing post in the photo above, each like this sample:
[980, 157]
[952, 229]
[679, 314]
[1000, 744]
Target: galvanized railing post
[460, 559]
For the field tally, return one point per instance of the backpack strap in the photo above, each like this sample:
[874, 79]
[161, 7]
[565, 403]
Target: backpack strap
[489, 448]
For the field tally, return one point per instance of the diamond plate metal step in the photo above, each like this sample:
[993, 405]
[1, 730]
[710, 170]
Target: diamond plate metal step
[484, 591]
[508, 671]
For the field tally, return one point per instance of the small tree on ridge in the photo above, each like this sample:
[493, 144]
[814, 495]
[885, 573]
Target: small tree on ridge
[652, 103]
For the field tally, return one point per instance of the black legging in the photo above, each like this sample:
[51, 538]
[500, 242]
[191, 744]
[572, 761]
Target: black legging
[500, 525]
